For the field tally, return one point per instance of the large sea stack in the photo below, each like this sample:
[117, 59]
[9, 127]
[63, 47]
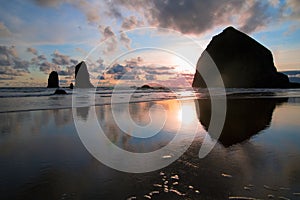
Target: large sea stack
[53, 81]
[242, 62]
[82, 77]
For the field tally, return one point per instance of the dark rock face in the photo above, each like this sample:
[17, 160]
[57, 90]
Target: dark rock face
[82, 77]
[242, 62]
[146, 87]
[53, 81]
[244, 117]
[60, 91]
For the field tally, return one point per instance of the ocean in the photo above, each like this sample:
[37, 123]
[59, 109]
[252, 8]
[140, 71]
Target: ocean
[40, 98]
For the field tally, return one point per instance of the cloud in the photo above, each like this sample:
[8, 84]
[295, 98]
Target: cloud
[48, 3]
[131, 22]
[62, 81]
[109, 41]
[134, 61]
[60, 59]
[97, 66]
[69, 71]
[125, 40]
[9, 73]
[197, 17]
[101, 77]
[258, 17]
[150, 77]
[6, 70]
[4, 31]
[63, 64]
[159, 70]
[117, 69]
[113, 10]
[125, 77]
[186, 16]
[293, 6]
[47, 67]
[107, 32]
[9, 58]
[38, 59]
[90, 10]
[32, 50]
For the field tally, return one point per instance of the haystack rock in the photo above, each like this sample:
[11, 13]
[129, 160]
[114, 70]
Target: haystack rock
[242, 62]
[82, 77]
[53, 81]
[244, 118]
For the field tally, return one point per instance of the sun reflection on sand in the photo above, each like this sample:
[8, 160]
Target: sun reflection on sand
[187, 114]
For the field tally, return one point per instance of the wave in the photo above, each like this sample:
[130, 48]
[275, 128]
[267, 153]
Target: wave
[29, 99]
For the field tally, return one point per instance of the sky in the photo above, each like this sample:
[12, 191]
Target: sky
[136, 39]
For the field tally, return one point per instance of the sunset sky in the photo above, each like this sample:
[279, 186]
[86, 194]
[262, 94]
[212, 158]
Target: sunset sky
[39, 36]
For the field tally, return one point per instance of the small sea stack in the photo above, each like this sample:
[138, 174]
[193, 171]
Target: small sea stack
[53, 81]
[82, 76]
[60, 91]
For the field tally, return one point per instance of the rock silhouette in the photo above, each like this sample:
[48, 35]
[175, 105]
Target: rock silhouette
[60, 91]
[244, 117]
[82, 77]
[242, 62]
[53, 81]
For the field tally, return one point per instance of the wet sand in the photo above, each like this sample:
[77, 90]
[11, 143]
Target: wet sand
[42, 157]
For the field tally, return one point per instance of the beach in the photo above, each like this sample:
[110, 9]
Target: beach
[43, 157]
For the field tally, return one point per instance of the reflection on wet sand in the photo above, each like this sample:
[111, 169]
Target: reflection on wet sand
[54, 164]
[83, 112]
[244, 117]
[171, 112]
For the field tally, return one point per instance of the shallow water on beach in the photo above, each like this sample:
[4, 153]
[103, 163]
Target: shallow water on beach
[257, 154]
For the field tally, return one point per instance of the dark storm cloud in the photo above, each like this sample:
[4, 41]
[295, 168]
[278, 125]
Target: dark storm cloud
[186, 16]
[199, 16]
[196, 17]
